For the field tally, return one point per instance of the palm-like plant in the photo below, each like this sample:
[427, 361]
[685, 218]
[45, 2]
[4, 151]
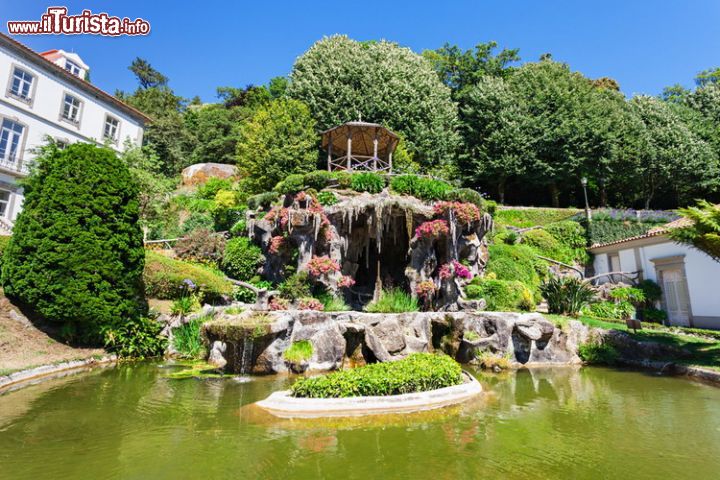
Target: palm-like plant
[567, 295]
[703, 229]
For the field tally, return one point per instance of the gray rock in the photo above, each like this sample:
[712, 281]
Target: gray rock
[202, 172]
[216, 357]
[390, 334]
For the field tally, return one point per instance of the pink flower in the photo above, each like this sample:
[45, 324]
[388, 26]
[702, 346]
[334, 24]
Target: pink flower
[319, 266]
[432, 229]
[446, 271]
[425, 289]
[346, 281]
[276, 244]
[310, 304]
[301, 196]
[465, 212]
[461, 270]
[277, 303]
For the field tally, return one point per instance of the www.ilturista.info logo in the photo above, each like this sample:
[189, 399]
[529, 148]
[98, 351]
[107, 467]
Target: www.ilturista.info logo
[57, 21]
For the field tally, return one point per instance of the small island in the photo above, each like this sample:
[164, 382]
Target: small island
[421, 381]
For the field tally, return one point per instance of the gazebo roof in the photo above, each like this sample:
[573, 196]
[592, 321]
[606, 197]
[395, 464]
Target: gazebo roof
[363, 134]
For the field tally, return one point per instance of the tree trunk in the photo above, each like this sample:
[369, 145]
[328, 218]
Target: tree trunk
[603, 195]
[554, 195]
[501, 190]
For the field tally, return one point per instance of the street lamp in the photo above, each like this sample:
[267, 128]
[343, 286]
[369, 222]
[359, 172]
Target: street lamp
[588, 213]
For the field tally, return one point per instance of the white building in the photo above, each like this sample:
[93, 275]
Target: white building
[46, 95]
[689, 279]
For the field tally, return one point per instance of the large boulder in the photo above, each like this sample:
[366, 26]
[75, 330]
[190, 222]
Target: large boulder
[202, 172]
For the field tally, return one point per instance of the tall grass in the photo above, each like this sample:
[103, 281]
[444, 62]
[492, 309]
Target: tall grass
[393, 301]
[187, 341]
[332, 303]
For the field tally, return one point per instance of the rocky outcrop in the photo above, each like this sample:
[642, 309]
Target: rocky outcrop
[201, 172]
[253, 343]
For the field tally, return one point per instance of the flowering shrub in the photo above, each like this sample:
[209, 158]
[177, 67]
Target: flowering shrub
[346, 281]
[276, 244]
[446, 271]
[425, 289]
[454, 268]
[301, 197]
[465, 212]
[310, 304]
[432, 229]
[318, 266]
[278, 214]
[278, 303]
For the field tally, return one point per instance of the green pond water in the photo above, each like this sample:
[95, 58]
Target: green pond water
[132, 422]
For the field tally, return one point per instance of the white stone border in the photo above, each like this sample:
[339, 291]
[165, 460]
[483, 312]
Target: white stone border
[31, 376]
[283, 405]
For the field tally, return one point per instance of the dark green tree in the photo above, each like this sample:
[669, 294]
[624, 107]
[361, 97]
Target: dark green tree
[147, 76]
[76, 256]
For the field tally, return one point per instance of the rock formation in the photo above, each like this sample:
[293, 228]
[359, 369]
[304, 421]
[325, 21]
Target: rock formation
[255, 343]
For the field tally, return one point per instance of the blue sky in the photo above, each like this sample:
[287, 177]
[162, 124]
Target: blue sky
[644, 45]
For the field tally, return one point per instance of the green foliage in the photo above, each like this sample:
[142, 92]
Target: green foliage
[421, 187]
[245, 295]
[278, 140]
[419, 372]
[210, 189]
[319, 179]
[702, 231]
[651, 291]
[185, 305]
[367, 182]
[566, 295]
[198, 221]
[393, 301]
[653, 315]
[605, 231]
[164, 278]
[296, 286]
[187, 340]
[468, 195]
[380, 81]
[202, 246]
[292, 184]
[241, 259]
[4, 241]
[327, 198]
[633, 295]
[262, 200]
[239, 229]
[621, 310]
[76, 255]
[598, 353]
[332, 303]
[299, 352]
[516, 262]
[568, 233]
[501, 295]
[137, 338]
[533, 217]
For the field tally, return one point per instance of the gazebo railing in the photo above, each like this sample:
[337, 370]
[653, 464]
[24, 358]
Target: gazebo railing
[360, 163]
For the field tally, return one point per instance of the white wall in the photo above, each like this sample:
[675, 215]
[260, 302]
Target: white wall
[42, 116]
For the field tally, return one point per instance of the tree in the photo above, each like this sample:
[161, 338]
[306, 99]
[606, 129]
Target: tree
[702, 230]
[147, 76]
[673, 160]
[153, 187]
[494, 130]
[215, 132]
[460, 69]
[343, 80]
[278, 140]
[76, 256]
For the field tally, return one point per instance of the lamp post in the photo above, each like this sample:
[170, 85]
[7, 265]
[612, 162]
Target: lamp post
[588, 213]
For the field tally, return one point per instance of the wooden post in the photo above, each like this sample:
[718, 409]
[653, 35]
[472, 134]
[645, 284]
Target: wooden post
[349, 151]
[375, 150]
[330, 140]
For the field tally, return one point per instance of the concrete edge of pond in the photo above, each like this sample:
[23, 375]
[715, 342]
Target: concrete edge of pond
[691, 372]
[30, 376]
[283, 405]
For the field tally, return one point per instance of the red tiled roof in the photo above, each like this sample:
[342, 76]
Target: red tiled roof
[79, 82]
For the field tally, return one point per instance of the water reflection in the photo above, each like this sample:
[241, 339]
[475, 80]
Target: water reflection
[133, 422]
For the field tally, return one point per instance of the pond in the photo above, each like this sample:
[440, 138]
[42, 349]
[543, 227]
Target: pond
[132, 422]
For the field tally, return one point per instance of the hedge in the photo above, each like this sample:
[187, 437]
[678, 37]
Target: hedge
[532, 217]
[501, 295]
[164, 278]
[418, 372]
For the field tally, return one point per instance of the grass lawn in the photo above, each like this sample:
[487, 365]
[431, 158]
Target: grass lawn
[704, 352]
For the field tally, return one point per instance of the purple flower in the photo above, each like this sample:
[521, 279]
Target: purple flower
[189, 284]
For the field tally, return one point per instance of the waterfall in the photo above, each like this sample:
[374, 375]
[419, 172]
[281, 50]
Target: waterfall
[246, 360]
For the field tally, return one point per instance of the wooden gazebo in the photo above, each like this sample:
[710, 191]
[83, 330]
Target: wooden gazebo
[359, 145]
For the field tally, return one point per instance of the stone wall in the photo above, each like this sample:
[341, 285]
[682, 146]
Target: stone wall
[255, 343]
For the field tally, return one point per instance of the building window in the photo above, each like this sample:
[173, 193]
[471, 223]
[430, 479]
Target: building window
[4, 201]
[10, 136]
[111, 129]
[71, 108]
[21, 85]
[72, 68]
